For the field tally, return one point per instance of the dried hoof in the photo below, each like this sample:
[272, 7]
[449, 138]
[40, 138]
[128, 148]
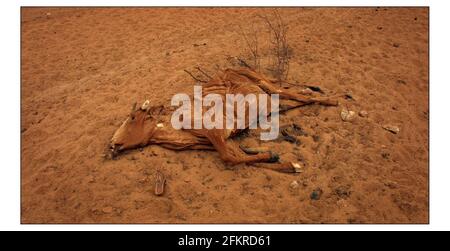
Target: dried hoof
[254, 150]
[274, 157]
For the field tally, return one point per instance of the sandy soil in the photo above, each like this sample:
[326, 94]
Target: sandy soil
[83, 68]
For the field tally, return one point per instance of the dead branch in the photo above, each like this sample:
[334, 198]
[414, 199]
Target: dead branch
[243, 63]
[240, 61]
[281, 49]
[204, 73]
[195, 78]
[251, 40]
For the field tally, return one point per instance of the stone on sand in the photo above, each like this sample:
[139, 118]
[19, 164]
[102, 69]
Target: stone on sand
[107, 210]
[393, 129]
[347, 115]
[294, 185]
[363, 114]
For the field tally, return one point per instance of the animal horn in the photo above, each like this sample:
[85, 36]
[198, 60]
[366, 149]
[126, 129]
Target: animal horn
[146, 105]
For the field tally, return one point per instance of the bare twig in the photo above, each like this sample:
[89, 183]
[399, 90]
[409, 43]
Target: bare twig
[195, 78]
[243, 63]
[238, 60]
[204, 73]
[251, 40]
[281, 49]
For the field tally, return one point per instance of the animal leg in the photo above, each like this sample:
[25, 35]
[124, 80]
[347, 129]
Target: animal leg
[268, 87]
[285, 94]
[230, 152]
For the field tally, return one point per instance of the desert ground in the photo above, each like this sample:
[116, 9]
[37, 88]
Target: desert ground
[82, 68]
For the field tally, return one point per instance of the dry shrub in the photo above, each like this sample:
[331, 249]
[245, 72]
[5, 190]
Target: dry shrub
[251, 41]
[279, 51]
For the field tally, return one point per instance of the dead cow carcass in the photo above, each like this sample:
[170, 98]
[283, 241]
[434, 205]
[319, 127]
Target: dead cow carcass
[147, 124]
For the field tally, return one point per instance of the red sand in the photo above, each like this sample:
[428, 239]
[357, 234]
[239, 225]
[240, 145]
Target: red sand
[83, 68]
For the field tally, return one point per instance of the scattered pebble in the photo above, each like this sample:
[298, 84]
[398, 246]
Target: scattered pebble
[107, 210]
[347, 115]
[343, 191]
[90, 179]
[196, 45]
[391, 184]
[316, 194]
[392, 129]
[316, 138]
[396, 45]
[385, 155]
[363, 114]
[349, 96]
[297, 167]
[294, 185]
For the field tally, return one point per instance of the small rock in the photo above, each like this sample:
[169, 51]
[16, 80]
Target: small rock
[107, 210]
[294, 185]
[396, 45]
[343, 191]
[196, 45]
[392, 129]
[297, 167]
[347, 115]
[349, 96]
[391, 184]
[363, 114]
[316, 138]
[316, 194]
[90, 179]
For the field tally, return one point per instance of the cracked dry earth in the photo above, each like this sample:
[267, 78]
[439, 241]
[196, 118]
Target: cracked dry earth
[81, 69]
